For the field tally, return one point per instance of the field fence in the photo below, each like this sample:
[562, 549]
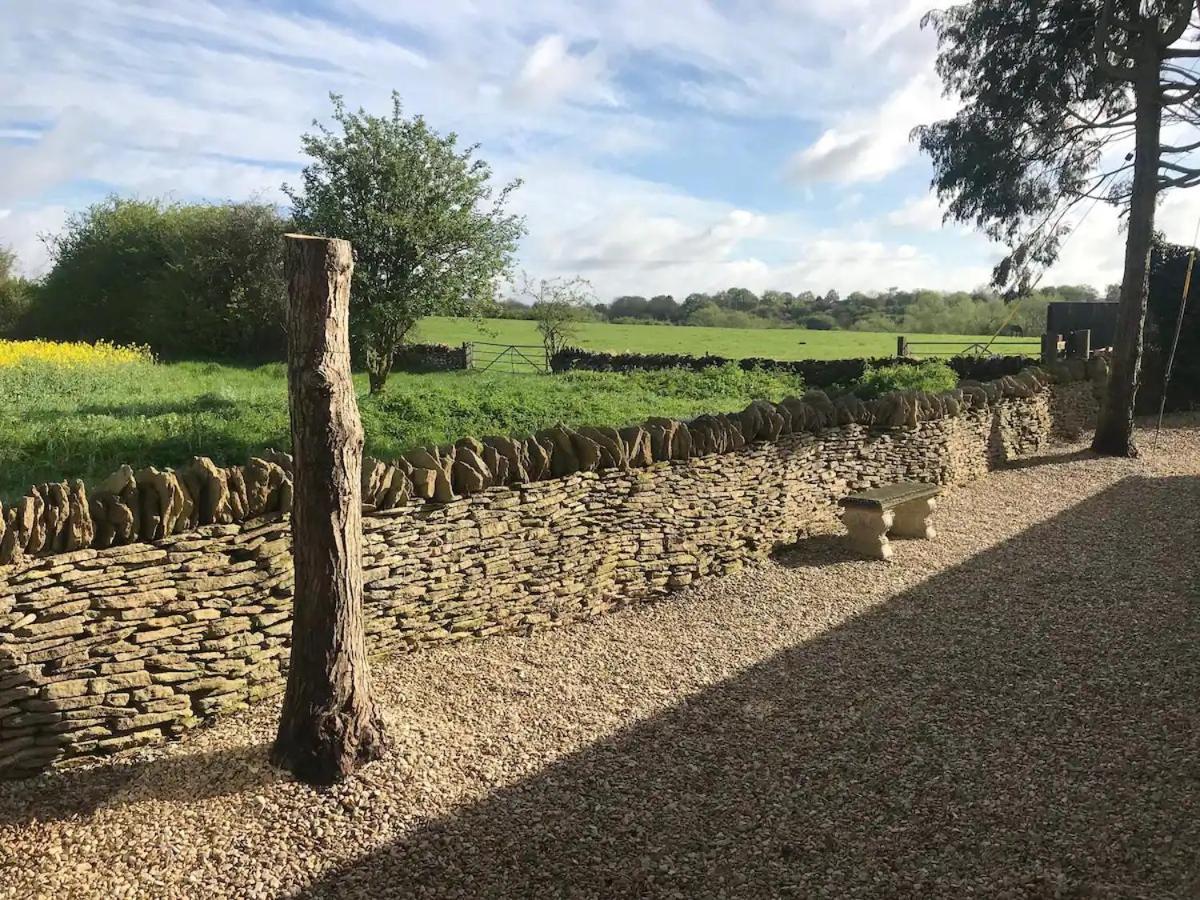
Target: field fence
[512, 358]
[943, 349]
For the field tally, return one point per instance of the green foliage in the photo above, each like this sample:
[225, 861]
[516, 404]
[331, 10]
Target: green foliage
[85, 422]
[1168, 274]
[1002, 160]
[820, 322]
[430, 235]
[1046, 88]
[186, 280]
[931, 375]
[16, 294]
[710, 315]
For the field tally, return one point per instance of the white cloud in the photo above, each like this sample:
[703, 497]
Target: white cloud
[21, 231]
[865, 145]
[551, 72]
[923, 213]
[1095, 253]
[631, 236]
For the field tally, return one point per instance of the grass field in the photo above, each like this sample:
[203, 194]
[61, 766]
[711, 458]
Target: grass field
[61, 421]
[735, 343]
[63, 416]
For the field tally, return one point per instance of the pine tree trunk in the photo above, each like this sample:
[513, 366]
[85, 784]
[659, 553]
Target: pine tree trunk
[1114, 431]
[329, 724]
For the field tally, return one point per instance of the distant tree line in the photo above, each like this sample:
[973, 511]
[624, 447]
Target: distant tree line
[906, 311]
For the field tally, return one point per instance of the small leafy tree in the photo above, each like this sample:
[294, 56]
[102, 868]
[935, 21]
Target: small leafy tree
[558, 305]
[430, 233]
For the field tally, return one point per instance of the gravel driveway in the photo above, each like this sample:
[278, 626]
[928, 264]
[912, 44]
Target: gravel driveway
[1009, 711]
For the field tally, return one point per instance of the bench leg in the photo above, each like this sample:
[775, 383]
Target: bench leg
[868, 531]
[915, 519]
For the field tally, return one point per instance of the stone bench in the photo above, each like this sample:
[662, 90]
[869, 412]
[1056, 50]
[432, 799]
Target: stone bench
[903, 509]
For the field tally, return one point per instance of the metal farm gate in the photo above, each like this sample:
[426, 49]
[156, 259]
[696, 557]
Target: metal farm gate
[514, 358]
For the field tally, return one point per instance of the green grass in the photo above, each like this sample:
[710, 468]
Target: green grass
[931, 375]
[735, 343]
[80, 422]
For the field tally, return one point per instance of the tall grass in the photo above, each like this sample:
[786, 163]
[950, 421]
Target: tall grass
[83, 421]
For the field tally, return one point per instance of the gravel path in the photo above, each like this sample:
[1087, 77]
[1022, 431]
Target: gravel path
[1008, 711]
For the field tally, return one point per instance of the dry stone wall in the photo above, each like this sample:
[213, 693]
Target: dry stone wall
[820, 373]
[104, 648]
[420, 358]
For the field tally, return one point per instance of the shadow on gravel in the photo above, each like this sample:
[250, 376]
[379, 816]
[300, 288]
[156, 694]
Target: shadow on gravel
[71, 793]
[1024, 724]
[1047, 459]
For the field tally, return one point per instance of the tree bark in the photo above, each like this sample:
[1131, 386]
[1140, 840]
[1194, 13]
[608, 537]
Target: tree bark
[378, 371]
[329, 723]
[1114, 430]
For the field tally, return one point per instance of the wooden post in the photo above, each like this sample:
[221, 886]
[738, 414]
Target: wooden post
[1079, 344]
[901, 347]
[329, 724]
[1050, 347]
[468, 355]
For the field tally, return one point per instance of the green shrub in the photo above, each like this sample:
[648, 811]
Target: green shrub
[820, 322]
[198, 280]
[930, 375]
[15, 294]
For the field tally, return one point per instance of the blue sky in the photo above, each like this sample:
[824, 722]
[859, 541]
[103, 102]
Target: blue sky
[665, 147]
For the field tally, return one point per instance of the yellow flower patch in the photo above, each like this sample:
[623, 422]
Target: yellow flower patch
[74, 353]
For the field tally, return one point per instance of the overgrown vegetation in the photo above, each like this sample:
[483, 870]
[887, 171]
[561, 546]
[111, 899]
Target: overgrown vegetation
[931, 375]
[69, 421]
[183, 279]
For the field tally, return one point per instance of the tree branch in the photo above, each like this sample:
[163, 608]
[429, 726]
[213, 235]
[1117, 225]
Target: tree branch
[1174, 31]
[1107, 66]
[1183, 148]
[1175, 167]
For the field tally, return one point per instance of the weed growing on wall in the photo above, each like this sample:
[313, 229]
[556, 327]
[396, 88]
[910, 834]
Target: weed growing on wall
[931, 375]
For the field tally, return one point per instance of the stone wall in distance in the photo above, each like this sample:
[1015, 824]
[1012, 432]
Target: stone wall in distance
[424, 358]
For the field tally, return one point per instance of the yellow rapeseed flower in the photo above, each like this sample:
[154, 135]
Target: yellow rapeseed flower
[74, 353]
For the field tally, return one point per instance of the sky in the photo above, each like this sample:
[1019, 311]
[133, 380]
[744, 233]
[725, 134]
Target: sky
[664, 147]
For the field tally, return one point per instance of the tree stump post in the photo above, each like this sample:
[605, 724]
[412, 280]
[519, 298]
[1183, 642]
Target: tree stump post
[329, 724]
[1050, 347]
